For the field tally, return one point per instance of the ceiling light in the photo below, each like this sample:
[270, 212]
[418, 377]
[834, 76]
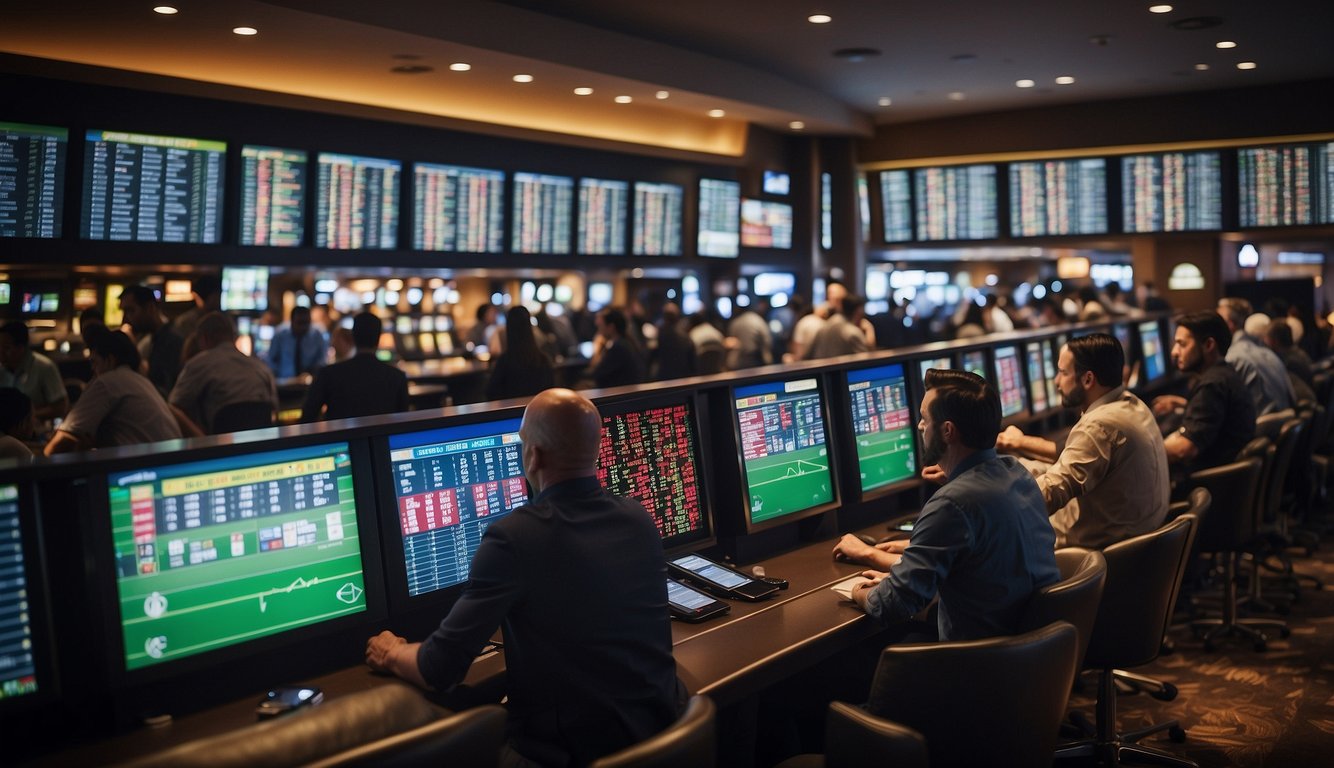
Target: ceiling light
[583, 91]
[796, 125]
[716, 113]
[955, 96]
[885, 101]
[1201, 67]
[1160, 9]
[622, 99]
[165, 10]
[1024, 83]
[523, 78]
[460, 66]
[661, 95]
[245, 31]
[1225, 44]
[819, 18]
[1064, 80]
[1245, 65]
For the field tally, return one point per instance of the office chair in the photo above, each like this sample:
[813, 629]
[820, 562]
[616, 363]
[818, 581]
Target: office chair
[1074, 598]
[691, 740]
[238, 417]
[855, 738]
[468, 739]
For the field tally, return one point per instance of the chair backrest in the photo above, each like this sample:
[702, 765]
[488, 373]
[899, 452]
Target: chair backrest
[1233, 488]
[688, 741]
[1262, 448]
[855, 738]
[1074, 598]
[1269, 424]
[468, 739]
[1285, 451]
[1143, 579]
[1012, 691]
[237, 417]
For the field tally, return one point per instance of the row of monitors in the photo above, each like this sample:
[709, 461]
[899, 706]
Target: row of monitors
[218, 553]
[1288, 185]
[148, 188]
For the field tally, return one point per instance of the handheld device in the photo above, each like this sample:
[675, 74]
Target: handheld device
[691, 605]
[285, 699]
[719, 579]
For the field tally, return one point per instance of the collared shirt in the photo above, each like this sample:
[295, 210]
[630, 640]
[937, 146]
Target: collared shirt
[282, 353]
[983, 543]
[221, 376]
[121, 407]
[1263, 373]
[837, 337]
[1111, 482]
[37, 377]
[756, 341]
[1219, 418]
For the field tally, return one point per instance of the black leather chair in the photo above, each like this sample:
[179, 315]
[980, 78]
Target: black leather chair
[1143, 577]
[690, 741]
[468, 739]
[855, 738]
[1074, 598]
[238, 417]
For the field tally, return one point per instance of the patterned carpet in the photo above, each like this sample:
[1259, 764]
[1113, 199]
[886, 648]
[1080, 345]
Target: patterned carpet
[1243, 708]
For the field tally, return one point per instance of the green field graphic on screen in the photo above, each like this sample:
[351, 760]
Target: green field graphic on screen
[882, 426]
[785, 457]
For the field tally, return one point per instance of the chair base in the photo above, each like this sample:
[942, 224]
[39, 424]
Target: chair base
[1131, 682]
[1121, 751]
[1247, 630]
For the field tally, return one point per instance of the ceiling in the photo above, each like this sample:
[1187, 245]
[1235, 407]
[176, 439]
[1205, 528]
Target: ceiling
[759, 61]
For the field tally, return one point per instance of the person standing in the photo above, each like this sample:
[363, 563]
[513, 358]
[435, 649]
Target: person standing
[360, 385]
[523, 368]
[841, 333]
[299, 348]
[618, 361]
[159, 343]
[33, 374]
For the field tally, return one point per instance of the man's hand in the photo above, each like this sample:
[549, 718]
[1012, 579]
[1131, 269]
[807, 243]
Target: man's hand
[894, 547]
[380, 651]
[862, 591]
[853, 549]
[934, 474]
[1165, 404]
[1010, 439]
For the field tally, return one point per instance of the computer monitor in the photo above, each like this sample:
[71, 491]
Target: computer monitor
[882, 428]
[27, 669]
[1152, 353]
[220, 558]
[943, 363]
[1038, 357]
[786, 470]
[446, 486]
[652, 451]
[975, 361]
[1122, 333]
[245, 289]
[1009, 380]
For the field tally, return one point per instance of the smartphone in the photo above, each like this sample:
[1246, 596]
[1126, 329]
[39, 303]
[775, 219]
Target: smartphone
[286, 699]
[719, 579]
[689, 604]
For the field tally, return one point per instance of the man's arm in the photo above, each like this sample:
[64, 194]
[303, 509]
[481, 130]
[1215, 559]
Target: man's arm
[313, 409]
[941, 535]
[1013, 440]
[64, 442]
[878, 557]
[52, 410]
[1081, 466]
[1179, 447]
[394, 655]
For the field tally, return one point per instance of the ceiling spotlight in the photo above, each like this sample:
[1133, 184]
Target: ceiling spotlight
[1160, 9]
[885, 101]
[819, 18]
[1065, 80]
[660, 95]
[583, 91]
[716, 113]
[796, 125]
[523, 78]
[1245, 65]
[955, 96]
[622, 99]
[1025, 83]
[1201, 67]
[245, 31]
[460, 66]
[1225, 44]
[165, 10]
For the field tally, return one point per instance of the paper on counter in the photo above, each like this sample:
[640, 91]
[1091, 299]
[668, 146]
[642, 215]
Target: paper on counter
[844, 587]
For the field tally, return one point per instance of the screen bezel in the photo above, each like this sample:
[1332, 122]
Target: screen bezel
[848, 440]
[47, 669]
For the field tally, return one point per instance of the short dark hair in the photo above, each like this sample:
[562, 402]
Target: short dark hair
[17, 331]
[216, 328]
[482, 309]
[14, 408]
[968, 400]
[94, 315]
[206, 285]
[616, 319]
[299, 309]
[1279, 333]
[1207, 325]
[1100, 353]
[141, 294]
[115, 344]
[852, 304]
[366, 329]
[1237, 309]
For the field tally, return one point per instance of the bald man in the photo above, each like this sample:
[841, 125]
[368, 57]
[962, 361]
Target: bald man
[576, 581]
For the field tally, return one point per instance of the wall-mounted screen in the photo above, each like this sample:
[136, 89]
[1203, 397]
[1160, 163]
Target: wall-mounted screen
[212, 554]
[882, 426]
[942, 363]
[144, 188]
[458, 209]
[765, 224]
[896, 205]
[1041, 376]
[273, 196]
[25, 663]
[719, 218]
[1058, 197]
[1274, 185]
[357, 204]
[1152, 352]
[543, 209]
[1009, 380]
[785, 462]
[651, 452]
[32, 180]
[658, 211]
[603, 204]
[245, 289]
[777, 183]
[1171, 192]
[956, 203]
[975, 361]
[1324, 175]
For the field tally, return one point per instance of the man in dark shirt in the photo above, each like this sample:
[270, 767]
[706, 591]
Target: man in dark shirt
[983, 542]
[159, 342]
[360, 385]
[674, 357]
[576, 580]
[618, 361]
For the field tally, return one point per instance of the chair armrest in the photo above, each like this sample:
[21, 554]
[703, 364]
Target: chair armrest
[855, 738]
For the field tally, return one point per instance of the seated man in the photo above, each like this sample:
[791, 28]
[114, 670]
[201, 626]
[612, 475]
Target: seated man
[159, 343]
[576, 580]
[360, 385]
[618, 361]
[1262, 371]
[983, 542]
[1110, 483]
[31, 373]
[220, 374]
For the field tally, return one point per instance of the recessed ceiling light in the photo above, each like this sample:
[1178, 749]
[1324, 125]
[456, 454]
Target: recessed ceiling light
[716, 113]
[955, 96]
[1245, 65]
[523, 78]
[661, 95]
[885, 101]
[1160, 9]
[1225, 44]
[819, 18]
[245, 31]
[583, 91]
[460, 66]
[1024, 83]
[622, 99]
[796, 125]
[1201, 67]
[165, 10]
[1064, 80]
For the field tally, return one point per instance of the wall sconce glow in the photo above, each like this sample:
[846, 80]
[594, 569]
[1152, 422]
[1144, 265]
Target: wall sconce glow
[1025, 83]
[1186, 277]
[1248, 257]
[956, 96]
[165, 10]
[1225, 44]
[460, 66]
[622, 99]
[1160, 9]
[523, 78]
[583, 91]
[885, 101]
[1201, 67]
[819, 18]
[245, 31]
[1065, 80]
[660, 95]
[797, 125]
[717, 113]
[1245, 65]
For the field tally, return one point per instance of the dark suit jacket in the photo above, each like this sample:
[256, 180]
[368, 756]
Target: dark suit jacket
[360, 386]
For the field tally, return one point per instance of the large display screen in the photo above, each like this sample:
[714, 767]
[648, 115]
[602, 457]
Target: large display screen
[882, 426]
[1151, 347]
[651, 452]
[32, 180]
[1009, 380]
[719, 218]
[211, 554]
[1274, 185]
[145, 188]
[658, 210]
[18, 663]
[273, 196]
[956, 203]
[602, 215]
[1324, 173]
[784, 455]
[1058, 197]
[450, 484]
[245, 289]
[1171, 192]
[357, 202]
[458, 209]
[765, 224]
[543, 208]
[896, 205]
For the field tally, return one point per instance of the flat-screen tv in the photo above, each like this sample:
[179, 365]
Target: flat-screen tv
[719, 218]
[1058, 197]
[160, 189]
[786, 471]
[273, 196]
[27, 664]
[543, 211]
[652, 451]
[1324, 174]
[603, 206]
[1009, 380]
[458, 209]
[943, 363]
[882, 428]
[956, 202]
[896, 205]
[975, 361]
[32, 180]
[1154, 357]
[658, 222]
[218, 558]
[1172, 192]
[1041, 377]
[1274, 185]
[765, 224]
[357, 204]
[245, 289]
[777, 183]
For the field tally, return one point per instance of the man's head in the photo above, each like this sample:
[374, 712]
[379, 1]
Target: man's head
[612, 323]
[111, 350]
[17, 418]
[486, 314]
[961, 413]
[1087, 368]
[139, 307]
[90, 321]
[300, 320]
[13, 344]
[561, 433]
[1234, 312]
[214, 330]
[1202, 339]
[1278, 335]
[366, 329]
[854, 307]
[834, 294]
[207, 290]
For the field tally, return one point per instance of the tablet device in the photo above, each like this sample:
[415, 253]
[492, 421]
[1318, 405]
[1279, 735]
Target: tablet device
[719, 579]
[689, 604]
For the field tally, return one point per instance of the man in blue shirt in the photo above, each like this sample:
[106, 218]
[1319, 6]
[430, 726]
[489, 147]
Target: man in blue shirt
[299, 348]
[983, 542]
[1262, 371]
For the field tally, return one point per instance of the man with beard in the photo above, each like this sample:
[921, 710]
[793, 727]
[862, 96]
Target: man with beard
[982, 543]
[1110, 482]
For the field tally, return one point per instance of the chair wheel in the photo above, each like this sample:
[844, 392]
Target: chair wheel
[1168, 692]
[1177, 734]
